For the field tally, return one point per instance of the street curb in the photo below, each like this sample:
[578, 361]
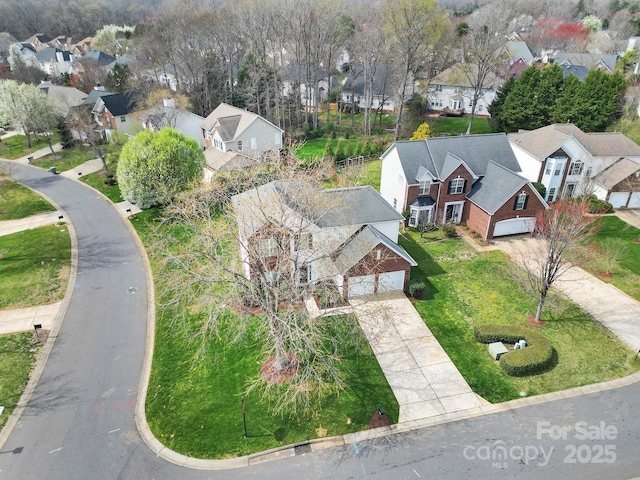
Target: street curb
[53, 334]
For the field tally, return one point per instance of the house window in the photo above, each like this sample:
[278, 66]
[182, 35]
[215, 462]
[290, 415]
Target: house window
[395, 203]
[480, 108]
[570, 190]
[217, 143]
[438, 88]
[576, 168]
[556, 172]
[456, 185]
[413, 219]
[268, 247]
[302, 241]
[400, 180]
[521, 202]
[454, 104]
[123, 119]
[424, 187]
[239, 145]
[551, 194]
[254, 144]
[587, 172]
[277, 138]
[207, 134]
[547, 170]
[304, 274]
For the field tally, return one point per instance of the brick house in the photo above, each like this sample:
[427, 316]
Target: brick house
[469, 179]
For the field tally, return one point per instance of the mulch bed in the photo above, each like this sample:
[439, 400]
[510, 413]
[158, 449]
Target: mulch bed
[536, 323]
[269, 373]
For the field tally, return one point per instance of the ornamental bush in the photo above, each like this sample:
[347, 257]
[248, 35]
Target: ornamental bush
[154, 167]
[416, 288]
[536, 357]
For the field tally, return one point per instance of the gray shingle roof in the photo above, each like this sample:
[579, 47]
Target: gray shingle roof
[121, 103]
[496, 187]
[616, 173]
[475, 150]
[98, 57]
[577, 70]
[382, 84]
[356, 206]
[362, 243]
[589, 60]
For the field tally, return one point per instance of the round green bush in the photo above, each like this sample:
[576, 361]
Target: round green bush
[536, 357]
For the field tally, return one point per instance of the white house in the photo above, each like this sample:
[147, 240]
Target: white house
[295, 77]
[569, 163]
[234, 138]
[451, 91]
[350, 241]
[376, 88]
[54, 62]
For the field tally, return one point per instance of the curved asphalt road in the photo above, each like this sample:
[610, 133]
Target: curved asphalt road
[79, 423]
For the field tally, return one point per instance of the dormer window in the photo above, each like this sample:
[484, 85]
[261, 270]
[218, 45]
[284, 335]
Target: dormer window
[424, 188]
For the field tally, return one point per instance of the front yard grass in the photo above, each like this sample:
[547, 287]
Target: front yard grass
[465, 287]
[66, 159]
[623, 269]
[17, 201]
[16, 146]
[34, 266]
[18, 354]
[194, 407]
[96, 180]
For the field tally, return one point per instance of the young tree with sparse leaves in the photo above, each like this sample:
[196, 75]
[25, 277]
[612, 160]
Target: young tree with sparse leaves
[563, 228]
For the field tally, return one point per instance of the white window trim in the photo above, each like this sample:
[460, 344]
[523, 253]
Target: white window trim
[457, 186]
[520, 201]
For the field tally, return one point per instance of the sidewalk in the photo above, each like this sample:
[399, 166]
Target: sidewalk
[423, 378]
[23, 319]
[27, 223]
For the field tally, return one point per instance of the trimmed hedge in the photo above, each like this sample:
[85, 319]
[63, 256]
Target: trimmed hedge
[536, 357]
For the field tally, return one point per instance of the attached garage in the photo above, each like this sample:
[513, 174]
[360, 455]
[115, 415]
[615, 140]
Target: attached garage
[618, 199]
[359, 286]
[391, 281]
[514, 226]
[634, 201]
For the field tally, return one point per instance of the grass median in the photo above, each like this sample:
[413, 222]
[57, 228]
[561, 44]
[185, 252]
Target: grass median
[17, 201]
[465, 287]
[34, 266]
[17, 147]
[18, 354]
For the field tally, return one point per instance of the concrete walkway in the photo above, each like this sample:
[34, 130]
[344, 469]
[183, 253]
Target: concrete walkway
[609, 305]
[27, 223]
[423, 378]
[23, 319]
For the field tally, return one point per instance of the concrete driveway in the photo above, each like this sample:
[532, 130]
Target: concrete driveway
[632, 217]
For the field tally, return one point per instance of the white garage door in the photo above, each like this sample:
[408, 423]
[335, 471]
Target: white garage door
[391, 281]
[359, 286]
[634, 202]
[514, 226]
[618, 199]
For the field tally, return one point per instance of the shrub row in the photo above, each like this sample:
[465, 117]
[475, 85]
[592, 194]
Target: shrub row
[534, 358]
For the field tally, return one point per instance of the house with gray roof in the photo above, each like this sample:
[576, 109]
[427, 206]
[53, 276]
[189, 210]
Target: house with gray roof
[115, 112]
[230, 132]
[347, 237]
[606, 62]
[65, 97]
[169, 115]
[570, 163]
[379, 87]
[473, 179]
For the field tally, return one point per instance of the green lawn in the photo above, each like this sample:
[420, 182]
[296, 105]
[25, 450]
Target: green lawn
[34, 266]
[458, 126]
[623, 271]
[194, 407]
[17, 201]
[66, 159]
[18, 354]
[16, 146]
[373, 169]
[465, 287]
[96, 180]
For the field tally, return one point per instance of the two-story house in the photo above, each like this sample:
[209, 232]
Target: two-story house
[54, 62]
[234, 138]
[297, 81]
[468, 179]
[451, 91]
[375, 88]
[168, 115]
[344, 236]
[115, 112]
[570, 162]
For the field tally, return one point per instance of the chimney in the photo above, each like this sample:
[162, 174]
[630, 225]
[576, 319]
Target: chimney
[169, 103]
[99, 88]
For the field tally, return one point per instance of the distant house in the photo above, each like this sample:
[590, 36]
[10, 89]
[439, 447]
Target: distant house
[352, 244]
[65, 97]
[295, 77]
[168, 115]
[95, 59]
[471, 179]
[591, 61]
[234, 138]
[54, 62]
[37, 41]
[569, 163]
[377, 88]
[451, 91]
[115, 112]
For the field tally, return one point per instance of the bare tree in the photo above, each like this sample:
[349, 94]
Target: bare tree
[563, 228]
[83, 128]
[414, 26]
[259, 253]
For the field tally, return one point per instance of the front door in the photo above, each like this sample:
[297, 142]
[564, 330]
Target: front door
[453, 212]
